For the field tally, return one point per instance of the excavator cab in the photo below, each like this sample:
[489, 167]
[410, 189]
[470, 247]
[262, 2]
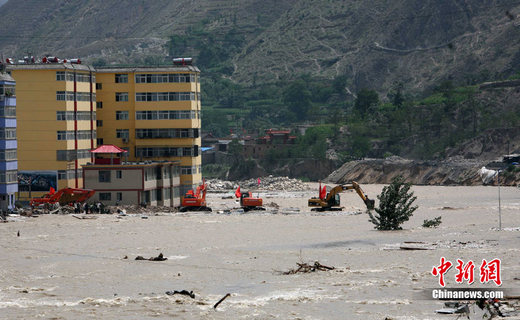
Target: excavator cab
[248, 202]
[195, 201]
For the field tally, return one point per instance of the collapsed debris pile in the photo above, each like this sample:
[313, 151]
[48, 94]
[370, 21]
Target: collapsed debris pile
[306, 268]
[269, 183]
[137, 209]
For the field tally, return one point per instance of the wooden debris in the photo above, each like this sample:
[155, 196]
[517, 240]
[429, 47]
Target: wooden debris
[306, 268]
[223, 298]
[82, 216]
[413, 248]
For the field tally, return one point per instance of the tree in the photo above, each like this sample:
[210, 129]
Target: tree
[395, 205]
[366, 101]
[298, 98]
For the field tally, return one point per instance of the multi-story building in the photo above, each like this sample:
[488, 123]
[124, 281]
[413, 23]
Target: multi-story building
[154, 113]
[8, 145]
[154, 183]
[56, 123]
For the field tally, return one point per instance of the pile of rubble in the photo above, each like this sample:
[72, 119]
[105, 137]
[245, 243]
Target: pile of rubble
[269, 183]
[136, 209]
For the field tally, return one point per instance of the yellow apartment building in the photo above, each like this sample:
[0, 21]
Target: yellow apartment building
[154, 114]
[56, 112]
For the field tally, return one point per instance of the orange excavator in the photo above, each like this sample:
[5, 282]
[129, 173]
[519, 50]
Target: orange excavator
[195, 201]
[248, 202]
[63, 197]
[330, 201]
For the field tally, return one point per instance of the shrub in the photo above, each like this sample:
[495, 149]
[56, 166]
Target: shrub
[395, 205]
[433, 223]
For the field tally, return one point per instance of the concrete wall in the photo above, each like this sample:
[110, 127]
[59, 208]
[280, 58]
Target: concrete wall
[130, 179]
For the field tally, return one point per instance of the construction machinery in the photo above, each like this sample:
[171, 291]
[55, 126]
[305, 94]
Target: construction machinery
[63, 197]
[331, 202]
[248, 202]
[195, 201]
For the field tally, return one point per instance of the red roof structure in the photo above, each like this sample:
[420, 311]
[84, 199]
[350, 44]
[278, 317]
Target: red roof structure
[108, 148]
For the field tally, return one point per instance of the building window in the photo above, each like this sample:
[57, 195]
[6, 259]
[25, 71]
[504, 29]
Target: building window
[165, 96]
[121, 96]
[80, 115]
[164, 78]
[122, 133]
[62, 135]
[99, 141]
[99, 123]
[121, 78]
[60, 95]
[104, 175]
[60, 75]
[119, 196]
[119, 174]
[99, 104]
[7, 133]
[69, 155]
[99, 86]
[105, 196]
[8, 177]
[121, 115]
[69, 174]
[165, 115]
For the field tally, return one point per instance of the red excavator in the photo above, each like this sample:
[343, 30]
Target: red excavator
[63, 197]
[248, 202]
[195, 201]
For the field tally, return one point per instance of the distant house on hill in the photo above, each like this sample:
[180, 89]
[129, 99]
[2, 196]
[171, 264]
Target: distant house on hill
[272, 139]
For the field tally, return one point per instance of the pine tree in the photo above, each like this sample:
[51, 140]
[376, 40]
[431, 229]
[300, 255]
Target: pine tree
[395, 205]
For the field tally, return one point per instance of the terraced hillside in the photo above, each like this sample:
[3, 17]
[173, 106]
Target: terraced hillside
[373, 43]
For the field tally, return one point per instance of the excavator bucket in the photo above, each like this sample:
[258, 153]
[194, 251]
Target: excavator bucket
[370, 204]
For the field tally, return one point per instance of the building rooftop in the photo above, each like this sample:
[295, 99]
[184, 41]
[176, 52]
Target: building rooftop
[113, 69]
[6, 77]
[50, 66]
[108, 148]
[131, 164]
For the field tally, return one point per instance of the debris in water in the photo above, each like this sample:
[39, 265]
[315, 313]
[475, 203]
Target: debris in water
[183, 292]
[223, 298]
[160, 257]
[454, 307]
[84, 216]
[306, 268]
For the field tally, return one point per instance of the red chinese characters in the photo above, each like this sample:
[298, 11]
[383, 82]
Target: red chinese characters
[441, 270]
[465, 272]
[490, 271]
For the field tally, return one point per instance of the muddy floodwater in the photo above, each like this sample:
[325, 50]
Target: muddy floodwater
[60, 267]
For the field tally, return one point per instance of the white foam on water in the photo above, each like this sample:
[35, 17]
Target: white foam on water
[300, 295]
[378, 302]
[177, 257]
[25, 303]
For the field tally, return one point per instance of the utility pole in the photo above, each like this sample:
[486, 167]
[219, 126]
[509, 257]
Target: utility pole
[499, 204]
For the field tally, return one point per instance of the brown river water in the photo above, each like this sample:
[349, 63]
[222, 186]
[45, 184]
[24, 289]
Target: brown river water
[60, 267]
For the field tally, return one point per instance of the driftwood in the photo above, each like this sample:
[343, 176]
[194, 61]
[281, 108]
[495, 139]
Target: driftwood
[82, 216]
[160, 257]
[183, 292]
[306, 268]
[223, 298]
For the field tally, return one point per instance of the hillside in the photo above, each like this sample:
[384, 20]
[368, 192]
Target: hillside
[372, 44]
